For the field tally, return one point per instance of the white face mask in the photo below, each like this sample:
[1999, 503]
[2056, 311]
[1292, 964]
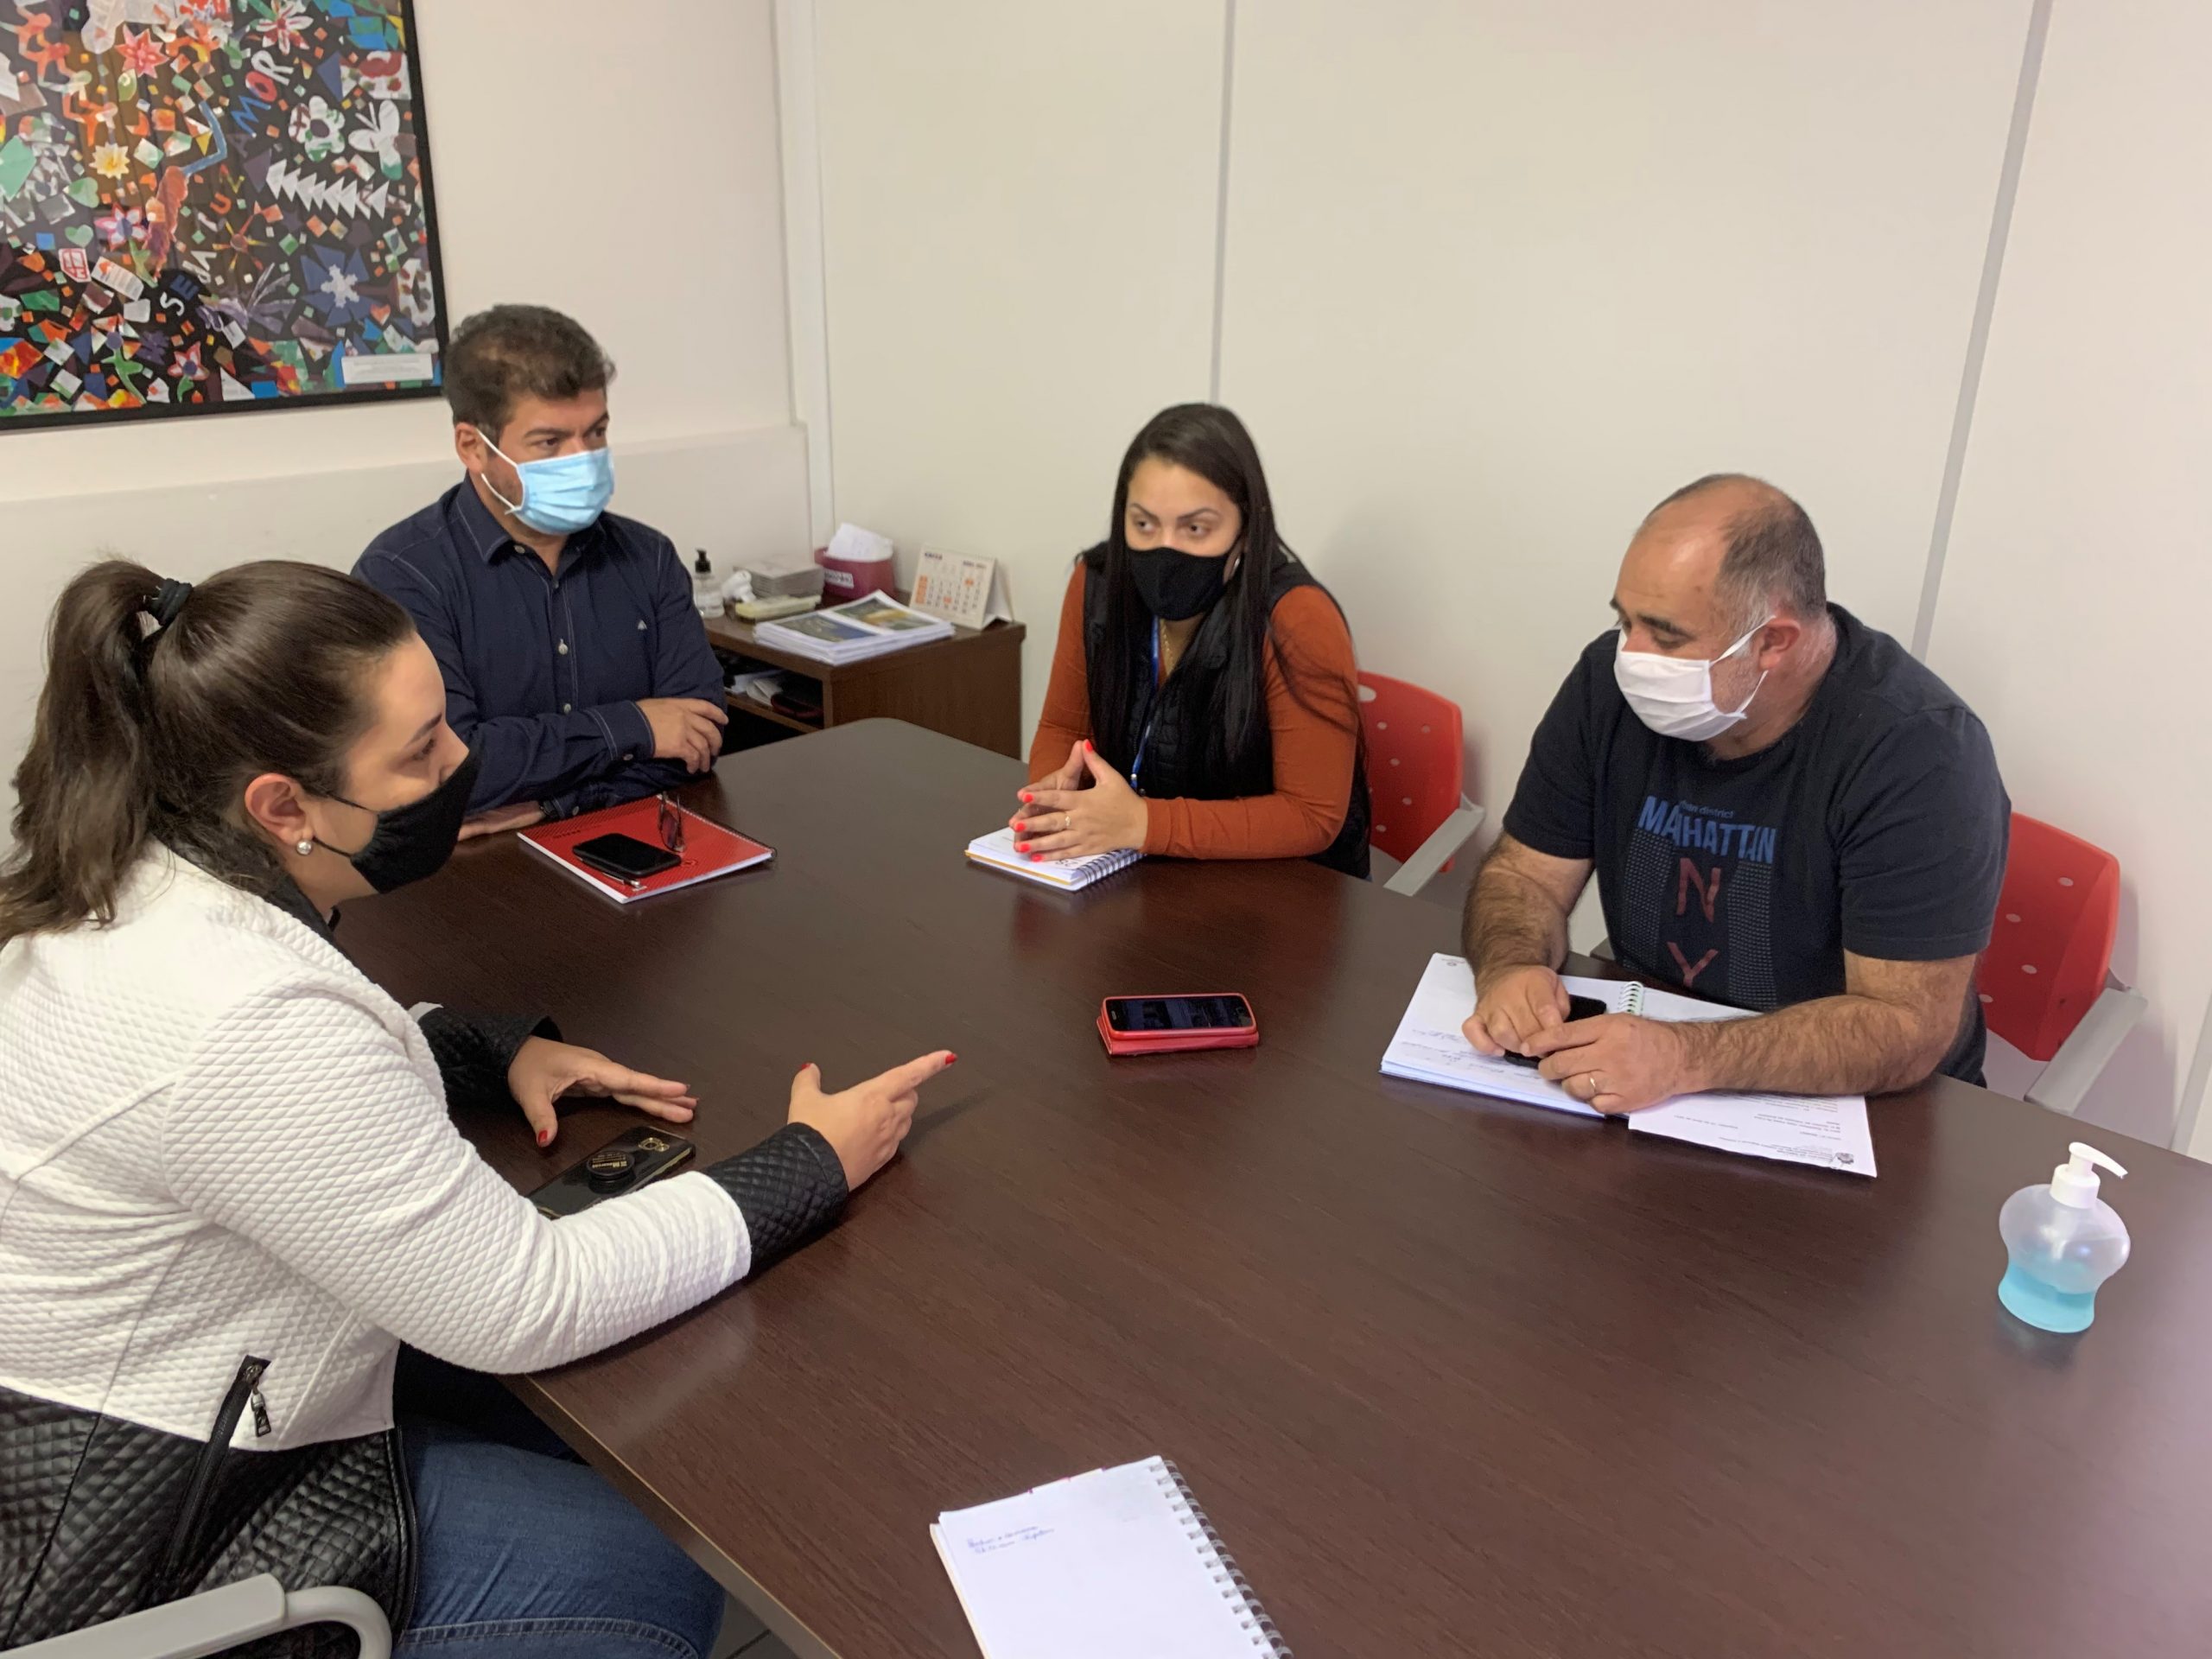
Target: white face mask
[1674, 694]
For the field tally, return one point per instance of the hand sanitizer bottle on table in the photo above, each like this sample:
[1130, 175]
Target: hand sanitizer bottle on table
[2064, 1241]
[706, 592]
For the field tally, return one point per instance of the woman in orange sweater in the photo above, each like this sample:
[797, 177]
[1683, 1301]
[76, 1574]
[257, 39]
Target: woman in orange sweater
[1205, 701]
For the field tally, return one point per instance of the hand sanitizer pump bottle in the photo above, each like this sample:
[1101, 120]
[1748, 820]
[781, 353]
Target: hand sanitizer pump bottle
[2064, 1241]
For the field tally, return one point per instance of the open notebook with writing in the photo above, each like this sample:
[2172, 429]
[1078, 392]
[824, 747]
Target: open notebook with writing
[1829, 1131]
[1111, 1565]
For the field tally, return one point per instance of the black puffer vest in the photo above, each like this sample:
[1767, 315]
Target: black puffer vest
[1171, 713]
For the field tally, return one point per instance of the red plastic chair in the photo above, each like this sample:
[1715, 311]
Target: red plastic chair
[2046, 980]
[1416, 766]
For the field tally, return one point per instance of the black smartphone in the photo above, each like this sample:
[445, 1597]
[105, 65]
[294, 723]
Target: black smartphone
[1134, 1014]
[624, 857]
[623, 1165]
[1577, 1007]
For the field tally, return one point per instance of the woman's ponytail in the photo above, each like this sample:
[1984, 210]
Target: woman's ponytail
[162, 702]
[85, 792]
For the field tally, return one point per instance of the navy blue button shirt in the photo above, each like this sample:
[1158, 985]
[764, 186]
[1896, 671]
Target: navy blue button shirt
[544, 669]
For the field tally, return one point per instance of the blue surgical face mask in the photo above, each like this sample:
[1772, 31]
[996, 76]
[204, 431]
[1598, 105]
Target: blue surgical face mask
[560, 495]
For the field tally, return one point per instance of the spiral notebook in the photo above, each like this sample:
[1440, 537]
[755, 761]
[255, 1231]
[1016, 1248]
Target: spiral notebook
[996, 849]
[1827, 1131]
[1110, 1565]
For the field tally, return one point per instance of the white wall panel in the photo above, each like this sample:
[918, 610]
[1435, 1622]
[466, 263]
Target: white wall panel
[2078, 586]
[1500, 275]
[1019, 214]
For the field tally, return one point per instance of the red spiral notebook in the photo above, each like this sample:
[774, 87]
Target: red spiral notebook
[709, 850]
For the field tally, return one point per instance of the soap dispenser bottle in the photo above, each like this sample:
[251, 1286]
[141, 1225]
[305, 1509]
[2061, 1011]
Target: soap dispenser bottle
[2063, 1242]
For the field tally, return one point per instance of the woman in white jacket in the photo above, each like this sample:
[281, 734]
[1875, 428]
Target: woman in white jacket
[229, 1187]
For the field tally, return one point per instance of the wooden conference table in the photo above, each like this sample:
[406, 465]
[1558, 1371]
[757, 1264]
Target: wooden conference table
[1452, 1377]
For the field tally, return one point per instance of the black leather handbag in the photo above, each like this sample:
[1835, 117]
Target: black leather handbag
[100, 1518]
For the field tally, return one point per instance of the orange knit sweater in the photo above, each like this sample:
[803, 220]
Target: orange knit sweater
[1315, 748]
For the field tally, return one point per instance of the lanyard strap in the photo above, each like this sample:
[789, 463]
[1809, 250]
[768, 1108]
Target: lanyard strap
[1136, 766]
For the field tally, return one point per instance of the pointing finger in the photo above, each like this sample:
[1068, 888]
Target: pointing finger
[905, 1079]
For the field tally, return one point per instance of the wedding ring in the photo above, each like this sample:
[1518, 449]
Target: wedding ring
[1067, 821]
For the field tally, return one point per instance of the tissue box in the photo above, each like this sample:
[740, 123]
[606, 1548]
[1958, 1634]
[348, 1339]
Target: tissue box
[785, 578]
[855, 563]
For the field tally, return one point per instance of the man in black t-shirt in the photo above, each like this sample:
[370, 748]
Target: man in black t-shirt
[1784, 810]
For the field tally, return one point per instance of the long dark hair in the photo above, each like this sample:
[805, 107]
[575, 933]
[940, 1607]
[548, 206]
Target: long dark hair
[147, 735]
[1210, 441]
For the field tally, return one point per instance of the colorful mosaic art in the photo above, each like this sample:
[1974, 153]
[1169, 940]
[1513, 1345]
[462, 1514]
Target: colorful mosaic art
[212, 205]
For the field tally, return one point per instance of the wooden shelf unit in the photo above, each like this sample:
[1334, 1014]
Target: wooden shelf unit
[967, 687]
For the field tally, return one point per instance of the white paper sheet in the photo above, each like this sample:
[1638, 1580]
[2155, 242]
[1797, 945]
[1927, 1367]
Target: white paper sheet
[1830, 1132]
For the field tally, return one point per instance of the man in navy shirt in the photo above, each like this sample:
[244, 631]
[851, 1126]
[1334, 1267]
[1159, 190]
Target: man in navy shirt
[576, 666]
[1783, 810]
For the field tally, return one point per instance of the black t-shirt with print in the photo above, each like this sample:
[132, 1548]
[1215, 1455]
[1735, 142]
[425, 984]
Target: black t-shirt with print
[1877, 825]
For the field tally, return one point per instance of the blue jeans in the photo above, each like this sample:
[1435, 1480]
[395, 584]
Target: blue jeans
[527, 1554]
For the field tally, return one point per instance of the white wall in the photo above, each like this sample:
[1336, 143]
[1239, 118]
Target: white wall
[1019, 217]
[637, 187]
[1502, 275]
[1499, 274]
[2078, 584]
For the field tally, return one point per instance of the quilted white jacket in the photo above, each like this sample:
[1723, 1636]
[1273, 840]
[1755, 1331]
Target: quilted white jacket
[218, 1138]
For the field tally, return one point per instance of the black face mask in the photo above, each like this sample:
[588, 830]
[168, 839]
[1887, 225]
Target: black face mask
[1176, 587]
[414, 840]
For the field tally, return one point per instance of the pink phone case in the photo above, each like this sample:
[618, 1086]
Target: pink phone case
[1178, 1042]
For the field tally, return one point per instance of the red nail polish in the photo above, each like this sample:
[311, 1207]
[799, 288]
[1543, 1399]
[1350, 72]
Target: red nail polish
[544, 1136]
[1026, 798]
[1020, 846]
[950, 1058]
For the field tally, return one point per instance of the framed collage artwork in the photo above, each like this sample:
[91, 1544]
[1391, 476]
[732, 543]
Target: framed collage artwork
[213, 205]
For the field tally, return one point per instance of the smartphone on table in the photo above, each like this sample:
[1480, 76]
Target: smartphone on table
[624, 857]
[1172, 1024]
[629, 1162]
[1577, 1007]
